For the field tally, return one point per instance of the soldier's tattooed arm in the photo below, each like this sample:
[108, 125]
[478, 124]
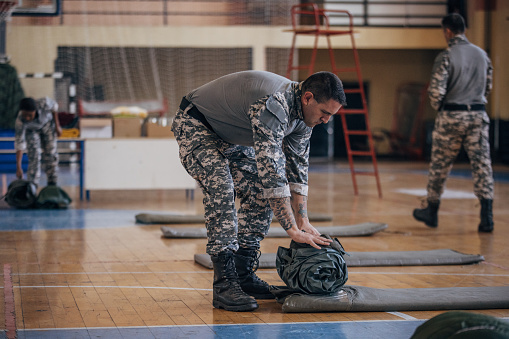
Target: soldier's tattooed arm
[300, 210]
[282, 209]
[299, 205]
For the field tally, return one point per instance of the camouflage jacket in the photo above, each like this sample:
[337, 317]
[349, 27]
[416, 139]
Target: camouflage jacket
[45, 107]
[462, 74]
[281, 143]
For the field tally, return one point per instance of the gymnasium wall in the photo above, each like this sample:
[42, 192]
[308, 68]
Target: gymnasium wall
[388, 56]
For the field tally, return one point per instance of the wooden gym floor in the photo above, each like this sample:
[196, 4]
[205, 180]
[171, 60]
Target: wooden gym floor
[93, 272]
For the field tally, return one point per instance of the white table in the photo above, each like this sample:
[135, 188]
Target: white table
[132, 164]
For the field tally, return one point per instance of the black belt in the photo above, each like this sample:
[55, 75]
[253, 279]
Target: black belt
[195, 113]
[474, 107]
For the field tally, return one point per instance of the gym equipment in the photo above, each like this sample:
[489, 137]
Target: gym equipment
[363, 229]
[154, 218]
[367, 299]
[365, 259]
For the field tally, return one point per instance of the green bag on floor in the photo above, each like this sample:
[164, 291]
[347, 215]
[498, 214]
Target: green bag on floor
[305, 269]
[52, 197]
[21, 194]
[462, 325]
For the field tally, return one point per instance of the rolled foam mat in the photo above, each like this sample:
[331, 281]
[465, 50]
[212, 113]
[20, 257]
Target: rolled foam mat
[156, 218]
[367, 299]
[362, 259]
[364, 229]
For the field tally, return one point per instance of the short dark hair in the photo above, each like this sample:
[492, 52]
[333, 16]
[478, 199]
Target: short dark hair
[325, 86]
[27, 104]
[454, 22]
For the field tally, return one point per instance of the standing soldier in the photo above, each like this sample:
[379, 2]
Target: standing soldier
[246, 136]
[36, 129]
[460, 83]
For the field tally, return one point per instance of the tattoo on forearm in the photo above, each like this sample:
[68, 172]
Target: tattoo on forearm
[282, 210]
[302, 210]
[302, 207]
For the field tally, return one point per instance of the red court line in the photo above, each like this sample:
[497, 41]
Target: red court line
[10, 315]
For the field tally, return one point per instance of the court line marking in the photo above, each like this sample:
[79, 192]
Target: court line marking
[403, 315]
[10, 314]
[264, 272]
[229, 325]
[106, 286]
[116, 286]
[226, 325]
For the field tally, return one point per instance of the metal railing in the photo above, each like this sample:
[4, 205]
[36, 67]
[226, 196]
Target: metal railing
[376, 13]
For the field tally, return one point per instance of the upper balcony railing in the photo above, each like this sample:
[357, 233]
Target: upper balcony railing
[395, 13]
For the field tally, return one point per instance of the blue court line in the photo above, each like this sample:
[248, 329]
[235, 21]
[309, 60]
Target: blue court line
[12, 219]
[398, 329]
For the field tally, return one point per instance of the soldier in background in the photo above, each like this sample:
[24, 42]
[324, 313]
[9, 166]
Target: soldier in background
[246, 135]
[460, 82]
[36, 129]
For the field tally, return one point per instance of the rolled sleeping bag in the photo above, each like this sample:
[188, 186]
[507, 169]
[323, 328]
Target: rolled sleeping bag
[21, 194]
[53, 197]
[305, 269]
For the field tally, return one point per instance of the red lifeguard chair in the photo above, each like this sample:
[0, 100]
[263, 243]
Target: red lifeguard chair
[310, 20]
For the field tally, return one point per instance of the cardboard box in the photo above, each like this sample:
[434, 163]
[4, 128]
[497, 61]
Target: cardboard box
[95, 128]
[155, 130]
[127, 127]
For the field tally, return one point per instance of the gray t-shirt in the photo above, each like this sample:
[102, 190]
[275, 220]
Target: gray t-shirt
[462, 74]
[225, 102]
[262, 110]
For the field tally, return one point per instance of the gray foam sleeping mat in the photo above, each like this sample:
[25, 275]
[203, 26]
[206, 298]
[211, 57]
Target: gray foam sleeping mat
[367, 299]
[157, 218]
[364, 229]
[363, 259]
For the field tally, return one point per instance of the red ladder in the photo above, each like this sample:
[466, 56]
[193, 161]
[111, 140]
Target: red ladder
[320, 26]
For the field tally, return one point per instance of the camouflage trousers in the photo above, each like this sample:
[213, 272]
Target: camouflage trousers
[42, 151]
[224, 172]
[452, 130]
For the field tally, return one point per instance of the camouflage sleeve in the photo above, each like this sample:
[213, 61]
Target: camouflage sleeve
[48, 105]
[19, 135]
[296, 149]
[489, 79]
[268, 133]
[439, 76]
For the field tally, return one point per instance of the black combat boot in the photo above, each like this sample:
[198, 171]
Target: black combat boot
[246, 263]
[428, 215]
[227, 293]
[486, 224]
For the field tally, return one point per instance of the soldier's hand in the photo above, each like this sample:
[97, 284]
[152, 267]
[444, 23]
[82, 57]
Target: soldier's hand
[307, 238]
[308, 228]
[19, 173]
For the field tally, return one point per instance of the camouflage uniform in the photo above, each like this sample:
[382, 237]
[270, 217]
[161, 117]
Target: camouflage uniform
[272, 167]
[36, 136]
[454, 128]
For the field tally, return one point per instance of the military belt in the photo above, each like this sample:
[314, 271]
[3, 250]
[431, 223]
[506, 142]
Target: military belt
[194, 112]
[473, 107]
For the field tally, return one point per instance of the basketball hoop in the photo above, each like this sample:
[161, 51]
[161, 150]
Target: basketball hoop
[6, 8]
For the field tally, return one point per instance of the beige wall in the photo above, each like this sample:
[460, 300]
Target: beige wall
[499, 51]
[44, 40]
[388, 56]
[384, 70]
